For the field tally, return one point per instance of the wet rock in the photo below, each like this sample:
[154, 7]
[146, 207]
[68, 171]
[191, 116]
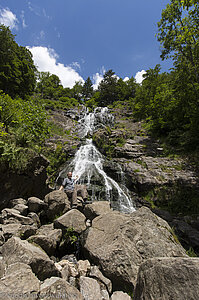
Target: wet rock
[119, 295]
[16, 250]
[71, 219]
[119, 243]
[58, 204]
[90, 288]
[96, 209]
[168, 278]
[35, 204]
[19, 282]
[58, 288]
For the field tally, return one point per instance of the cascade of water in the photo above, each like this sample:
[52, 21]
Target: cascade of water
[88, 165]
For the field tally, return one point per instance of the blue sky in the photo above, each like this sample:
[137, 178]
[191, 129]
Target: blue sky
[79, 38]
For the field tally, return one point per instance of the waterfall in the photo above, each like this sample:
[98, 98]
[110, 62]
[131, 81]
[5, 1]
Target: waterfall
[88, 164]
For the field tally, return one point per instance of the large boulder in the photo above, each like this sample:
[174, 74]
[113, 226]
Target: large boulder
[19, 282]
[96, 209]
[57, 204]
[72, 219]
[119, 243]
[58, 288]
[22, 231]
[47, 238]
[168, 278]
[90, 288]
[35, 204]
[16, 250]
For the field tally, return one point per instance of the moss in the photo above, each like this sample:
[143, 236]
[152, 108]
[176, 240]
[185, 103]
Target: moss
[172, 231]
[191, 252]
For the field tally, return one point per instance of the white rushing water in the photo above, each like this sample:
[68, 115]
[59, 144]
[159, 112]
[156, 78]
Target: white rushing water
[88, 165]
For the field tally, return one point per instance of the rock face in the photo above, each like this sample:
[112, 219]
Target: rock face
[31, 182]
[16, 250]
[119, 243]
[168, 278]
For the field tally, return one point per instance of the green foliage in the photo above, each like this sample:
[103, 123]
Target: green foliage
[108, 89]
[87, 89]
[71, 235]
[191, 252]
[56, 158]
[17, 70]
[23, 128]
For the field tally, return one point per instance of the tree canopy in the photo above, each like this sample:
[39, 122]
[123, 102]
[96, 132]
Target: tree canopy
[17, 70]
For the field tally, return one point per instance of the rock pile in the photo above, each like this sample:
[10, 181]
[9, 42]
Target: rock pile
[94, 253]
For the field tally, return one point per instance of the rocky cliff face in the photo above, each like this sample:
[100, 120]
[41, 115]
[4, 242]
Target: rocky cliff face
[169, 186]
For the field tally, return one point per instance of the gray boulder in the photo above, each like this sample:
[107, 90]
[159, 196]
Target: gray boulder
[16, 250]
[96, 273]
[168, 278]
[96, 209]
[119, 243]
[71, 219]
[23, 209]
[11, 215]
[35, 204]
[47, 238]
[57, 204]
[58, 288]
[22, 231]
[17, 201]
[119, 295]
[19, 282]
[90, 288]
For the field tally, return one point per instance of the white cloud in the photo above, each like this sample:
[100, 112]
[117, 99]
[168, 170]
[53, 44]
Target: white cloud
[46, 61]
[97, 78]
[139, 76]
[8, 18]
[23, 19]
[126, 79]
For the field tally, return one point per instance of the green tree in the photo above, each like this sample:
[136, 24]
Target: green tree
[76, 91]
[49, 85]
[87, 89]
[17, 70]
[108, 89]
[179, 32]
